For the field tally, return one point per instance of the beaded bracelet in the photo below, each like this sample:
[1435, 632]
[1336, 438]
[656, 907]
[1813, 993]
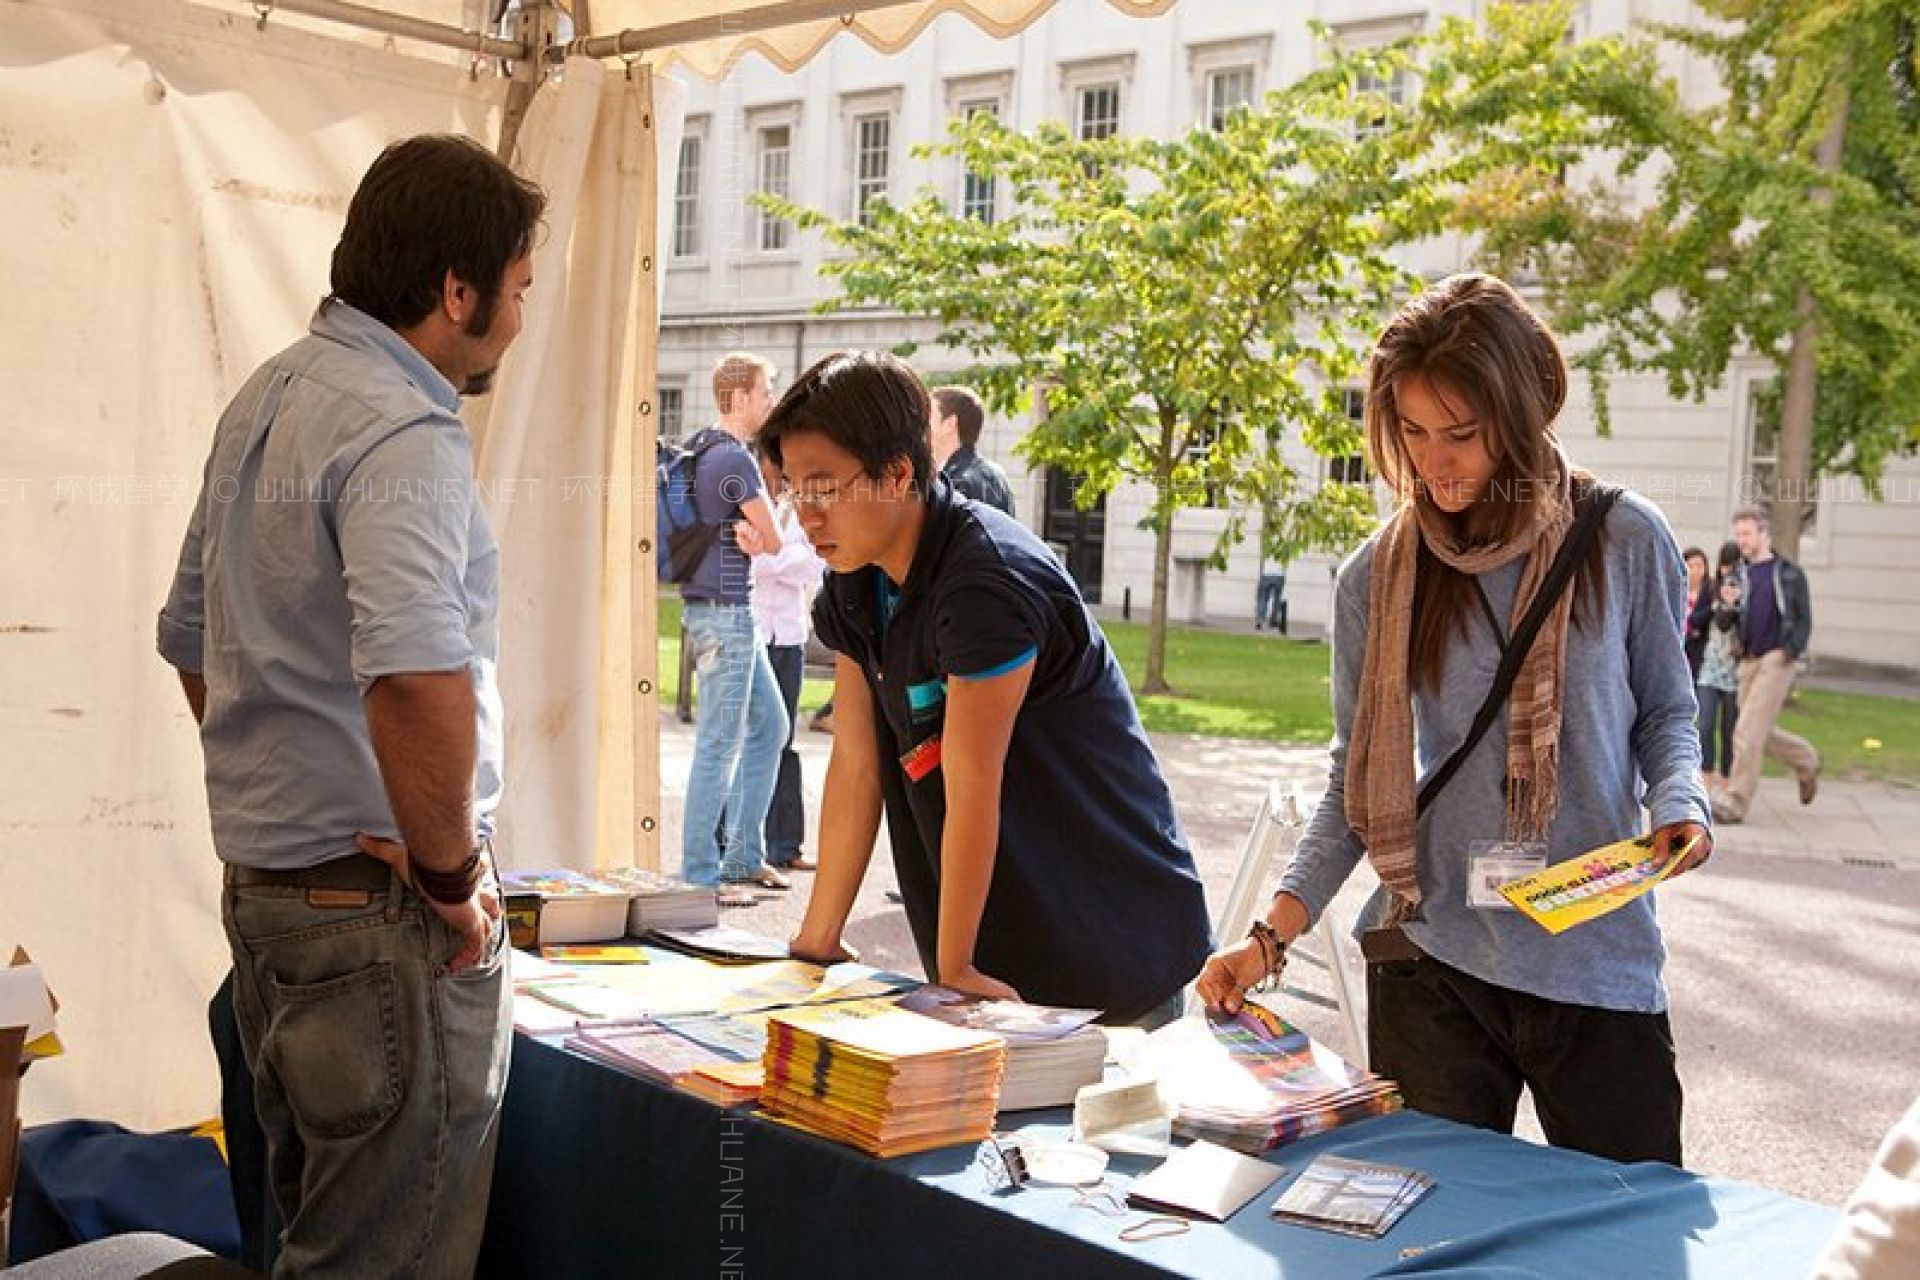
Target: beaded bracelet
[1272, 951]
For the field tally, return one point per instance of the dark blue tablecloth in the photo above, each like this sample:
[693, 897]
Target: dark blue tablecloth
[602, 1175]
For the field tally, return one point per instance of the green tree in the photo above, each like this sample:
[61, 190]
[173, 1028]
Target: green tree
[1179, 306]
[1783, 221]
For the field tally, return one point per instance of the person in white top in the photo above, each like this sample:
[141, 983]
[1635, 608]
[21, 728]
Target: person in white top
[784, 585]
[1879, 1236]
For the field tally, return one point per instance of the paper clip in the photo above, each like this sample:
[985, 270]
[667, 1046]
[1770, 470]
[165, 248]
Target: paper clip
[1102, 1198]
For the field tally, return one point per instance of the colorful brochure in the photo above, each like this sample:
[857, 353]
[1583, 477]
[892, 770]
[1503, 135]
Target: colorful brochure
[1591, 885]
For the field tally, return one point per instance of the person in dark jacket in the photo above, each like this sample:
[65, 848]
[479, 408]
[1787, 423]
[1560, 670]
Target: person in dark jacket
[953, 425]
[1775, 627]
[1699, 605]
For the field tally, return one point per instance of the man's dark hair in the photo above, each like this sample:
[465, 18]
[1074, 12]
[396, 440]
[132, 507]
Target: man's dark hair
[427, 206]
[960, 403]
[867, 402]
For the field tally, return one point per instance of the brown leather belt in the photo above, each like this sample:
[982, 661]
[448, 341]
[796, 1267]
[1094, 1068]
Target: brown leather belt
[354, 871]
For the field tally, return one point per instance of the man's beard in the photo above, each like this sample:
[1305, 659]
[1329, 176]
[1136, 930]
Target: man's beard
[477, 326]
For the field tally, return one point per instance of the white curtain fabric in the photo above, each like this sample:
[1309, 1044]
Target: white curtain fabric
[173, 182]
[556, 448]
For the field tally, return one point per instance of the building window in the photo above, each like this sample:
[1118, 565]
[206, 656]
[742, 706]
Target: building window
[1228, 90]
[1351, 468]
[672, 422]
[686, 198]
[1096, 112]
[1397, 88]
[977, 191]
[773, 158]
[1393, 88]
[1211, 492]
[872, 160]
[1764, 401]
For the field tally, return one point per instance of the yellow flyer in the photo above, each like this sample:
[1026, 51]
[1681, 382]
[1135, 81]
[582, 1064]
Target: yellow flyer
[1589, 886]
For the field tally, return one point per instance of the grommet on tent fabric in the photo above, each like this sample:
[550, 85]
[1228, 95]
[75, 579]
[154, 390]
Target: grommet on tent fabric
[646, 686]
[647, 824]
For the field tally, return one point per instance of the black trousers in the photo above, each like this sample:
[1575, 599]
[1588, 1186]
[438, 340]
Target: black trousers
[1603, 1082]
[787, 816]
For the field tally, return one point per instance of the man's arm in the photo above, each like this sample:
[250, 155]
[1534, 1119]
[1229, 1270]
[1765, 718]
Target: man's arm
[979, 727]
[757, 514]
[849, 817]
[422, 724]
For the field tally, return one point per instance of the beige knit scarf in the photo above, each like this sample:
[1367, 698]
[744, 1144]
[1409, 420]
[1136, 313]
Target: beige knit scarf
[1379, 774]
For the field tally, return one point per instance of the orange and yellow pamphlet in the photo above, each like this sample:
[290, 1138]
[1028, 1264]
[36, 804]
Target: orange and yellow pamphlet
[1591, 885]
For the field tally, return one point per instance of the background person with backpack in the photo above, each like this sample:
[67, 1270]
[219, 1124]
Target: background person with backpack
[714, 514]
[1507, 674]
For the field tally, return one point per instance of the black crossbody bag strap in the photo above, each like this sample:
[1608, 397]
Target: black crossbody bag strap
[1595, 503]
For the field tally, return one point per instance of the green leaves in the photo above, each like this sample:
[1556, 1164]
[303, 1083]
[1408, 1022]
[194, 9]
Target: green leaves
[1740, 221]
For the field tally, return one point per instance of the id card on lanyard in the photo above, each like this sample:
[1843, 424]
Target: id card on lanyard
[1492, 863]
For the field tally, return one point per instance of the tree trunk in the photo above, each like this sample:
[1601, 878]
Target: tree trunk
[1793, 465]
[1156, 678]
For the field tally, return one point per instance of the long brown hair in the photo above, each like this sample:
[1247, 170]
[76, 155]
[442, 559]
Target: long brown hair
[1474, 340]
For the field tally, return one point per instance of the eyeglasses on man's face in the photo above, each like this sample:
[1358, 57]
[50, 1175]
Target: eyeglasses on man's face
[820, 495]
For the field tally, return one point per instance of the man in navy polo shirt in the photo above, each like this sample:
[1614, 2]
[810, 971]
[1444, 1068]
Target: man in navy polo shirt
[977, 701]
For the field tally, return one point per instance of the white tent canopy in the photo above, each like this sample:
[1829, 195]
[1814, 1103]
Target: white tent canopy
[175, 176]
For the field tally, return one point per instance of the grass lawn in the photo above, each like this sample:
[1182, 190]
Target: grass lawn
[1238, 685]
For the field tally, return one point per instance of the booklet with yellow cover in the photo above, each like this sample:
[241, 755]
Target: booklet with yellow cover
[1591, 885]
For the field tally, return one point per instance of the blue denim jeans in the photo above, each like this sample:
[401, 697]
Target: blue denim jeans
[377, 1075]
[740, 726]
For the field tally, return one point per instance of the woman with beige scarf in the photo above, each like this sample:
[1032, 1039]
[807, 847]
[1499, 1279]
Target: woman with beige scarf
[1479, 1002]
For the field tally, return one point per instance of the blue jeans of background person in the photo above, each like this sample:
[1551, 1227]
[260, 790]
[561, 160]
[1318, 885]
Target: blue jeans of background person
[739, 724]
[1269, 606]
[1719, 708]
[377, 1075]
[787, 818]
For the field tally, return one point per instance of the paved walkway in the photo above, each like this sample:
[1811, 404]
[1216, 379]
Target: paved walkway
[1793, 955]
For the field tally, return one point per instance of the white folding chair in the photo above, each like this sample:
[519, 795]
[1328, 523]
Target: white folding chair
[1276, 828]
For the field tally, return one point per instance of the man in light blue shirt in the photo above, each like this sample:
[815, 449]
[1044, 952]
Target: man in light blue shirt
[334, 624]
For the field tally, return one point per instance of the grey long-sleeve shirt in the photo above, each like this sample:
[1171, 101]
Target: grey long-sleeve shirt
[1628, 739]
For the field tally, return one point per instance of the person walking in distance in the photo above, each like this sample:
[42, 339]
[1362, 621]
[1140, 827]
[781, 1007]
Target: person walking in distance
[1776, 624]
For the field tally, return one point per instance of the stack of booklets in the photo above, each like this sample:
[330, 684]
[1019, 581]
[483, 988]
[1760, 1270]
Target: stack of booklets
[564, 905]
[1051, 1052]
[721, 943]
[548, 907]
[881, 1078]
[1254, 1081]
[1352, 1197]
[658, 1052]
[661, 901]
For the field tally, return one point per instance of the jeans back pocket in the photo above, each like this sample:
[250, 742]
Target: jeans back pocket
[336, 1047]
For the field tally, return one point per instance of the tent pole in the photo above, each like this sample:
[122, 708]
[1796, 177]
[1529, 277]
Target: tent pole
[356, 15]
[538, 26]
[759, 17]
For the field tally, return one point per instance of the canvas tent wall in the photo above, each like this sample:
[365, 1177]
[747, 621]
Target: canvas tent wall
[172, 179]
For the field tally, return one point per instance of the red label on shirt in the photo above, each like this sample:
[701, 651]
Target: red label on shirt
[923, 759]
